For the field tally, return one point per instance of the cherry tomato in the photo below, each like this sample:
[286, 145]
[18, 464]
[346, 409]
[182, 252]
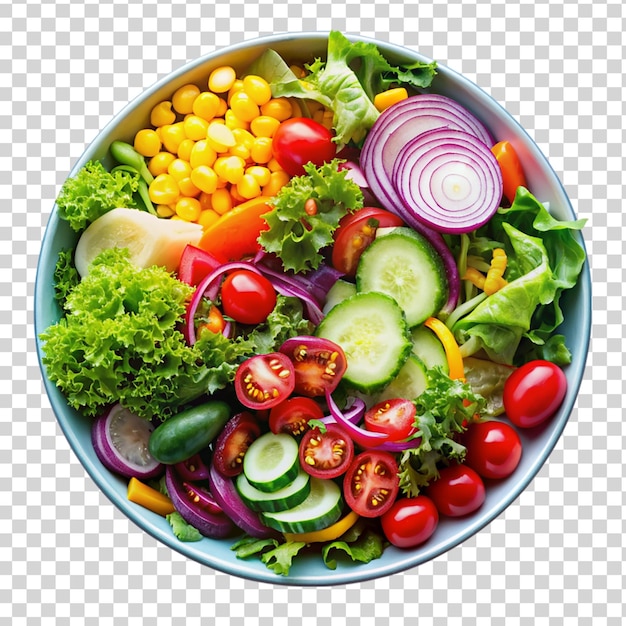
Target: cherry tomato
[264, 380]
[195, 264]
[292, 416]
[393, 417]
[370, 485]
[326, 454]
[319, 364]
[458, 491]
[533, 393]
[213, 321]
[355, 232]
[233, 442]
[410, 521]
[494, 449]
[248, 297]
[300, 140]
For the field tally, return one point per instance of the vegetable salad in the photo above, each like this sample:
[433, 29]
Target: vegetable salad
[311, 307]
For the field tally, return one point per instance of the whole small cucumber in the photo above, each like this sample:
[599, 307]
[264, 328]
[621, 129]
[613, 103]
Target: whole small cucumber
[188, 432]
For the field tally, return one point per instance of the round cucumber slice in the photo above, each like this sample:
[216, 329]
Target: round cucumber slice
[322, 507]
[428, 348]
[371, 329]
[405, 266]
[280, 500]
[409, 383]
[271, 462]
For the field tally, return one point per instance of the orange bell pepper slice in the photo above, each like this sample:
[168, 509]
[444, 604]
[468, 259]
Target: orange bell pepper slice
[511, 167]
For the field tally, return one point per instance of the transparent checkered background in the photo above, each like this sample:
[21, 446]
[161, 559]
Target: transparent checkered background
[67, 556]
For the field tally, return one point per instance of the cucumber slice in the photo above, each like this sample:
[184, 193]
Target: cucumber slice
[409, 383]
[280, 500]
[271, 462]
[428, 348]
[322, 507]
[371, 329]
[341, 290]
[405, 266]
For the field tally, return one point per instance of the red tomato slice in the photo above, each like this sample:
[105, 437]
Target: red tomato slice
[458, 491]
[196, 264]
[410, 521]
[326, 454]
[233, 442]
[248, 297]
[292, 416]
[301, 140]
[393, 417]
[370, 485]
[264, 380]
[319, 364]
[355, 232]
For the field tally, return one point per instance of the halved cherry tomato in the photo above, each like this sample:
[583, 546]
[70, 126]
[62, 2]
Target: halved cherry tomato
[264, 380]
[319, 364]
[213, 321]
[493, 448]
[195, 264]
[533, 393]
[410, 521]
[292, 415]
[301, 140]
[394, 417]
[248, 297]
[355, 232]
[328, 453]
[370, 485]
[233, 442]
[458, 491]
[511, 168]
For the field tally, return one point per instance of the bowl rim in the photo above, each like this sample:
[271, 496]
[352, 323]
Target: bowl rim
[374, 569]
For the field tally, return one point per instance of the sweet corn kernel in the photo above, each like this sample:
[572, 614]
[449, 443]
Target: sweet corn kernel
[164, 210]
[240, 150]
[385, 99]
[206, 105]
[220, 137]
[162, 114]
[274, 165]
[232, 121]
[185, 148]
[172, 135]
[229, 168]
[208, 218]
[279, 108]
[179, 169]
[262, 174]
[237, 86]
[205, 200]
[277, 180]
[223, 107]
[163, 189]
[202, 153]
[195, 127]
[261, 150]
[257, 88]
[221, 201]
[188, 209]
[147, 142]
[248, 187]
[243, 106]
[221, 79]
[264, 126]
[236, 196]
[204, 178]
[159, 163]
[183, 98]
[187, 188]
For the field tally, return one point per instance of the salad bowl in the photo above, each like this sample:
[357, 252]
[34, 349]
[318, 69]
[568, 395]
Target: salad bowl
[537, 442]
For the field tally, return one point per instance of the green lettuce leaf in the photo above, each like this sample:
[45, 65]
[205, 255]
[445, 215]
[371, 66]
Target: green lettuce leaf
[277, 556]
[181, 529]
[363, 546]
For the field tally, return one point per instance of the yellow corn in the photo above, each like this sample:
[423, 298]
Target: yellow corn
[221, 79]
[195, 127]
[385, 99]
[183, 98]
[204, 178]
[159, 163]
[187, 188]
[164, 210]
[262, 174]
[162, 114]
[202, 153]
[163, 189]
[184, 149]
[264, 126]
[494, 280]
[188, 209]
[229, 168]
[277, 180]
[179, 169]
[243, 106]
[261, 150]
[278, 108]
[232, 121]
[257, 88]
[207, 105]
[220, 137]
[172, 135]
[221, 201]
[147, 142]
[248, 187]
[207, 218]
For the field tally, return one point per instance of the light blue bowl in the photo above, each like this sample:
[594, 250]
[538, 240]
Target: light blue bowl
[538, 443]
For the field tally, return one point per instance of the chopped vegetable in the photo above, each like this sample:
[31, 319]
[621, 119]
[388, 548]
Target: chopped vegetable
[181, 529]
[146, 496]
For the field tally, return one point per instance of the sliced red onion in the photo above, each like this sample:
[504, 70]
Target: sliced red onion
[210, 524]
[225, 494]
[354, 414]
[399, 446]
[360, 436]
[120, 440]
[449, 180]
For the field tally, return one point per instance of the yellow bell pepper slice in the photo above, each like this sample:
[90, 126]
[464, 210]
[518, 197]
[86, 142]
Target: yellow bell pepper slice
[450, 346]
[326, 534]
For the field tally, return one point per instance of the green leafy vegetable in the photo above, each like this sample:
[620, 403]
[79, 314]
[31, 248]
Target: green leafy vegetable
[443, 409]
[361, 543]
[277, 558]
[93, 192]
[348, 92]
[181, 529]
[297, 237]
[66, 276]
